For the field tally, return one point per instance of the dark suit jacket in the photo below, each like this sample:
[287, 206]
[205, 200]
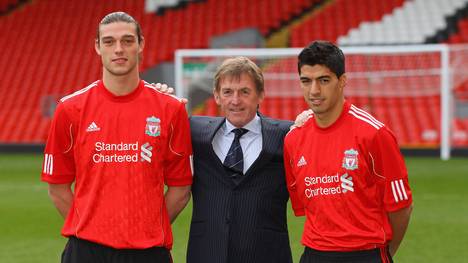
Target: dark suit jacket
[244, 222]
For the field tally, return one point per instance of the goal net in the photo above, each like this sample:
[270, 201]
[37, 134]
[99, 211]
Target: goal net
[419, 91]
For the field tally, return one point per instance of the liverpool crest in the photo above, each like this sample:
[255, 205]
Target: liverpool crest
[153, 127]
[350, 159]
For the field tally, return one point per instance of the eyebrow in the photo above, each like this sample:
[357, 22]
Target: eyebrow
[107, 38]
[319, 77]
[129, 36]
[124, 36]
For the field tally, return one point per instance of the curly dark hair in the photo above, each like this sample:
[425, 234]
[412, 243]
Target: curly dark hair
[323, 53]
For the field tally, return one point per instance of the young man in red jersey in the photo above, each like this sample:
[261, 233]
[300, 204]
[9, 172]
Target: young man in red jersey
[119, 140]
[344, 170]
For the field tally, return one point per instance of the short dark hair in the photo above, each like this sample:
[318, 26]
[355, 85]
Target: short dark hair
[119, 17]
[323, 53]
[235, 67]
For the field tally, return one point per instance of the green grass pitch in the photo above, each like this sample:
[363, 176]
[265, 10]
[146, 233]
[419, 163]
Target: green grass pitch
[438, 232]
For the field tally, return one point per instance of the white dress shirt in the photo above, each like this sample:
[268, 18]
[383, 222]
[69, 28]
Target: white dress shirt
[251, 142]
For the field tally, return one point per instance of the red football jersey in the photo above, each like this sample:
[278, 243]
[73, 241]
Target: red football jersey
[119, 151]
[345, 178]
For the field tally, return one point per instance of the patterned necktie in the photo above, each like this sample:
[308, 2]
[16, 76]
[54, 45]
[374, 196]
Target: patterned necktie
[235, 159]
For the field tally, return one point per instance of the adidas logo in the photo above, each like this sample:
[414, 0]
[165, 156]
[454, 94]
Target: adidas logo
[301, 162]
[93, 127]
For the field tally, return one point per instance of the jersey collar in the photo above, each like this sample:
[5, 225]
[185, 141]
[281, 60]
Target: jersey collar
[343, 114]
[124, 98]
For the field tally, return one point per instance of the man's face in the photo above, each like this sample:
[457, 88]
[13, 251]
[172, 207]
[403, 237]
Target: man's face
[119, 48]
[322, 89]
[238, 99]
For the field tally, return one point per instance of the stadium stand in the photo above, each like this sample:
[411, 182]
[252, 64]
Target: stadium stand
[413, 22]
[159, 6]
[52, 53]
[57, 55]
[340, 16]
[415, 120]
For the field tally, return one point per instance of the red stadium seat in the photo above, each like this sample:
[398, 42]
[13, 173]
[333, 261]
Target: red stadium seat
[462, 35]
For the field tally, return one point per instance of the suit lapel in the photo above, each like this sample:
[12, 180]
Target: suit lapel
[210, 130]
[271, 138]
[208, 134]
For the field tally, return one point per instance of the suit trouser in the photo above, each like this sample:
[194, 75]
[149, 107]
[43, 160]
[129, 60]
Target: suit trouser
[83, 251]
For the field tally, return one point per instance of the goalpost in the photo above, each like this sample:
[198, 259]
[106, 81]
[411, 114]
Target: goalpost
[413, 89]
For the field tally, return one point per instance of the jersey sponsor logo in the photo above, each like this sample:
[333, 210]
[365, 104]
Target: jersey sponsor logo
[350, 160]
[347, 183]
[399, 190]
[122, 152]
[328, 185]
[93, 127]
[48, 166]
[301, 162]
[153, 127]
[146, 152]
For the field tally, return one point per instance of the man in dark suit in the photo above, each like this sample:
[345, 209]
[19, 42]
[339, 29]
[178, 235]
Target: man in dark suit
[239, 189]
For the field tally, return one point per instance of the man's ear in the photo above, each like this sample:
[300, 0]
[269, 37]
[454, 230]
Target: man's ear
[343, 80]
[261, 96]
[96, 46]
[216, 97]
[142, 44]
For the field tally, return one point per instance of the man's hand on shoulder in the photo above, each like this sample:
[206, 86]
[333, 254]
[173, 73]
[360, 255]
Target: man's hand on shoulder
[164, 88]
[301, 118]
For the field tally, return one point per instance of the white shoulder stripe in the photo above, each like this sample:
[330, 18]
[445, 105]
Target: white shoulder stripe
[46, 160]
[403, 189]
[397, 186]
[170, 95]
[48, 164]
[394, 192]
[364, 119]
[51, 165]
[376, 122]
[92, 85]
[364, 113]
[398, 190]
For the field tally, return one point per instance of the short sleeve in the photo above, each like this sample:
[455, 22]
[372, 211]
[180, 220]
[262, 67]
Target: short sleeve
[389, 164]
[178, 165]
[296, 203]
[59, 165]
